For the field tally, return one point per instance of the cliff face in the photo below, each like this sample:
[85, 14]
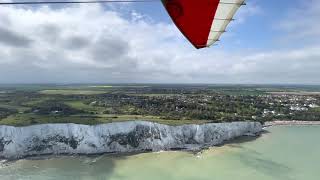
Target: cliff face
[18, 142]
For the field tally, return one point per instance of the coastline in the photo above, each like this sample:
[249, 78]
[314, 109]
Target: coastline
[291, 123]
[188, 138]
[117, 138]
[198, 151]
[268, 154]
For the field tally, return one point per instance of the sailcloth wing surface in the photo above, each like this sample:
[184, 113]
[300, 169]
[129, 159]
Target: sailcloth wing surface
[202, 21]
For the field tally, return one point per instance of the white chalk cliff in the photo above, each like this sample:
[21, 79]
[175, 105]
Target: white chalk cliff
[138, 136]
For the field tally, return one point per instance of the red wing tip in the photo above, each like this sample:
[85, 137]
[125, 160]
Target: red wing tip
[200, 46]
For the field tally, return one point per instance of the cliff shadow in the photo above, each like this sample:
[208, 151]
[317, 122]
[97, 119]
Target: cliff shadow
[66, 166]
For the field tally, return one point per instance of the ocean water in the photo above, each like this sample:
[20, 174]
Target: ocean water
[285, 153]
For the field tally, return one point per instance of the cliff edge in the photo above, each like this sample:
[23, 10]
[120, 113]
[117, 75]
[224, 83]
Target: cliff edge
[125, 137]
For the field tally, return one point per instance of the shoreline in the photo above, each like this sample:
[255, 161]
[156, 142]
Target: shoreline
[291, 123]
[200, 150]
[117, 138]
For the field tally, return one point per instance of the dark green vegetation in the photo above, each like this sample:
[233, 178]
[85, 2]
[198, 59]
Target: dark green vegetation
[169, 104]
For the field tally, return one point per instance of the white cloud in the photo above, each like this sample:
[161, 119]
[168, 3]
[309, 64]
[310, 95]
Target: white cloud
[92, 44]
[301, 23]
[251, 9]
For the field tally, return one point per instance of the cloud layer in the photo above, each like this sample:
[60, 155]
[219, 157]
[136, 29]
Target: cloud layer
[82, 44]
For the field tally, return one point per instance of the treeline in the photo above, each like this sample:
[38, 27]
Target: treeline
[5, 112]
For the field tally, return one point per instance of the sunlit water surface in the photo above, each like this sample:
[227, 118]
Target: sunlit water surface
[286, 153]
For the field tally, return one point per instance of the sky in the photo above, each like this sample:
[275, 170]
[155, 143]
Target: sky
[271, 42]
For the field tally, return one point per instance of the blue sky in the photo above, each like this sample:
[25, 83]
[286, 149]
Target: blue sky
[257, 31]
[270, 42]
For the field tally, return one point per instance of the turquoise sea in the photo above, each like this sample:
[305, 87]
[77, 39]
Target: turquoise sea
[285, 153]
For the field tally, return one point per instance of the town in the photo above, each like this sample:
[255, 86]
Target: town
[167, 104]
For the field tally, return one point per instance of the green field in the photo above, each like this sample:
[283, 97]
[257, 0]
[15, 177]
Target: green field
[71, 92]
[28, 119]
